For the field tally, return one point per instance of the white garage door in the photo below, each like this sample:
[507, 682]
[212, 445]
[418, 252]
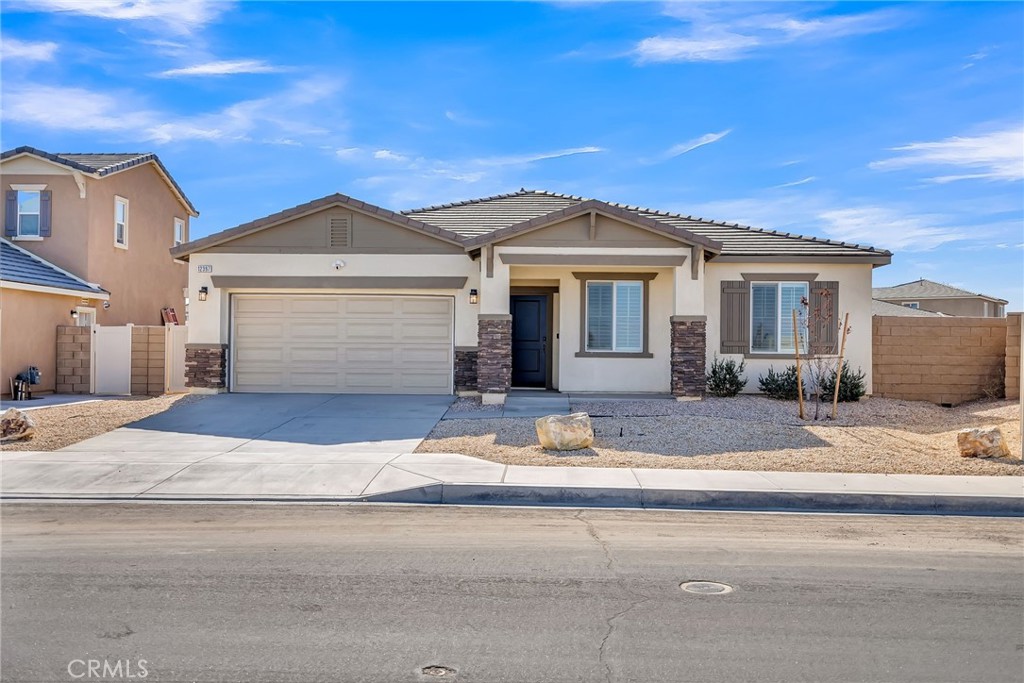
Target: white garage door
[342, 344]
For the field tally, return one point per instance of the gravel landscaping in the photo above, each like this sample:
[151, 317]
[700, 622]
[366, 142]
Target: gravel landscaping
[751, 433]
[62, 426]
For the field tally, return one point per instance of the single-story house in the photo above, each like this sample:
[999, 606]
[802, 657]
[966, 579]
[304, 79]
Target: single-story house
[927, 295]
[35, 297]
[529, 289]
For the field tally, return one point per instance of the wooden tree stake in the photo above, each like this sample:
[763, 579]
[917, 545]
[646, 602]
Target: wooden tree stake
[799, 380]
[839, 368]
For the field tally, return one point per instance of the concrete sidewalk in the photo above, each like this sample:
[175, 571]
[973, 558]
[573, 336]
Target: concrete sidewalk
[379, 476]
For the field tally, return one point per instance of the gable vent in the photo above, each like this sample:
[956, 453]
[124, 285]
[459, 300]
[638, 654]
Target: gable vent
[340, 229]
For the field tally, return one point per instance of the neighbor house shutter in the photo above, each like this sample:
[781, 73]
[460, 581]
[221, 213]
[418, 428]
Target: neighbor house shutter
[44, 213]
[823, 317]
[735, 318]
[11, 214]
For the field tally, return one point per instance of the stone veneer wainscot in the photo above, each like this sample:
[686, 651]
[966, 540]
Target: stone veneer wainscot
[689, 355]
[206, 366]
[494, 354]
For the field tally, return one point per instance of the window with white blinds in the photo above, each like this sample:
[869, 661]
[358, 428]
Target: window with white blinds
[771, 316]
[615, 316]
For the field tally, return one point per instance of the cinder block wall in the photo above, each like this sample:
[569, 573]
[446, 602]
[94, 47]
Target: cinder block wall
[148, 354]
[74, 359]
[1013, 355]
[941, 360]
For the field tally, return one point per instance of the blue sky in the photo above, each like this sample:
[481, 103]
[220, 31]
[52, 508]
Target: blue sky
[897, 125]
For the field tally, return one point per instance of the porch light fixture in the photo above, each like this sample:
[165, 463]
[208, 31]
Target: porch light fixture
[74, 314]
[203, 291]
[474, 297]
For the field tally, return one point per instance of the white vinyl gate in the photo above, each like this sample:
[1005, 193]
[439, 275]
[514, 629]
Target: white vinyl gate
[177, 335]
[112, 360]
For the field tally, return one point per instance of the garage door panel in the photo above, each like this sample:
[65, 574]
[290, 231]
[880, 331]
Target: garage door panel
[342, 343]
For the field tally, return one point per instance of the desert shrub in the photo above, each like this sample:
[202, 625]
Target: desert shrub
[851, 385]
[780, 385]
[726, 378]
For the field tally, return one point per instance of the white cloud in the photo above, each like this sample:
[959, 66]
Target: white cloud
[690, 145]
[282, 117]
[462, 119]
[224, 68]
[993, 156]
[177, 16]
[802, 181]
[727, 33]
[523, 159]
[388, 155]
[12, 48]
[893, 229]
[348, 153]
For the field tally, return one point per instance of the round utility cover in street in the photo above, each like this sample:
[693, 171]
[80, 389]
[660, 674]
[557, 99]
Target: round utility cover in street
[705, 587]
[438, 671]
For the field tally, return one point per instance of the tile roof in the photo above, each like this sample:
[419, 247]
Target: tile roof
[887, 309]
[19, 265]
[477, 217]
[103, 164]
[927, 289]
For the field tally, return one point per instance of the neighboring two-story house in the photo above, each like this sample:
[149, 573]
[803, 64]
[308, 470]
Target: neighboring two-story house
[926, 295]
[86, 239]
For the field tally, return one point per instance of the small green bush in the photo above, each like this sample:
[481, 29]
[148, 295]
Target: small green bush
[780, 385]
[851, 385]
[726, 378]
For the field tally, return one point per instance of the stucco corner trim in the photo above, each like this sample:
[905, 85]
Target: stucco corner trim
[688, 318]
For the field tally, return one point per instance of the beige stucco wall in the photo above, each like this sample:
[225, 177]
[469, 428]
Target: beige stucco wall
[854, 298]
[964, 307]
[141, 279]
[28, 333]
[209, 321]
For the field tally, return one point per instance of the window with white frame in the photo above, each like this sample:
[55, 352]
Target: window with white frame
[771, 316]
[179, 231]
[615, 316]
[911, 304]
[120, 221]
[28, 213]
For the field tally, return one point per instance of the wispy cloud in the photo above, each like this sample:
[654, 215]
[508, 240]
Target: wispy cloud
[461, 119]
[12, 48]
[388, 155]
[177, 16]
[993, 156]
[802, 181]
[281, 117]
[893, 229]
[690, 145]
[727, 33]
[224, 68]
[523, 159]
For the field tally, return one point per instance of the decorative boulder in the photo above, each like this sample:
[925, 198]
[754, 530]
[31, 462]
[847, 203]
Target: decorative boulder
[16, 425]
[984, 442]
[565, 432]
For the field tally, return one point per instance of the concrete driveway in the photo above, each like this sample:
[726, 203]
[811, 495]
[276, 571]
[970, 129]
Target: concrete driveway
[240, 445]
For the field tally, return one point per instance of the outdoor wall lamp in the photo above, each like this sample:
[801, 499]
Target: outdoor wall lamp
[203, 291]
[74, 314]
[474, 298]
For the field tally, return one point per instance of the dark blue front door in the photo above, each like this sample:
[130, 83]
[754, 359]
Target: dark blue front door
[529, 340]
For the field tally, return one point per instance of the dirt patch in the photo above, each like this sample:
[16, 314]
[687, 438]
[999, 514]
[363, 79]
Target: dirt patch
[63, 426]
[751, 433]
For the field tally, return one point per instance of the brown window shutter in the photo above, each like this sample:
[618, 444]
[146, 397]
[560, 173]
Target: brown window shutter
[823, 317]
[735, 319]
[45, 213]
[11, 214]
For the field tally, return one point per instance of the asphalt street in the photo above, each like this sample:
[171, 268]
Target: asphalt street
[363, 593]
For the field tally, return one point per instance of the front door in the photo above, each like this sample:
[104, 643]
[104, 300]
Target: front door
[529, 340]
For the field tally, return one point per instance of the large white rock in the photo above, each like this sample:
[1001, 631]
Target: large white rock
[565, 432]
[16, 425]
[983, 442]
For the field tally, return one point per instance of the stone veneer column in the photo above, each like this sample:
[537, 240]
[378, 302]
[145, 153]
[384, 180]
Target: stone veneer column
[465, 368]
[689, 356]
[494, 356]
[206, 366]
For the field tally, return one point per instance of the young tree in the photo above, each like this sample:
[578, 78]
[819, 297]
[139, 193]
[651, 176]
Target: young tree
[819, 372]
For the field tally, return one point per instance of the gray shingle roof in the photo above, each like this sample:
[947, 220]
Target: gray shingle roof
[927, 289]
[103, 164]
[477, 217]
[18, 265]
[887, 309]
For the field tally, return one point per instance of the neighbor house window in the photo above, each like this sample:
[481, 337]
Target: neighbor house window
[911, 304]
[179, 231]
[28, 213]
[121, 222]
[771, 316]
[615, 316]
